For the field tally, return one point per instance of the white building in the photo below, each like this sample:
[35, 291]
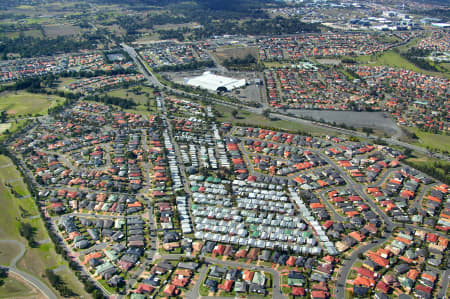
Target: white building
[213, 82]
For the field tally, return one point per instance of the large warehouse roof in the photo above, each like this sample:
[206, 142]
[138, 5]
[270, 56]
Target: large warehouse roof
[213, 82]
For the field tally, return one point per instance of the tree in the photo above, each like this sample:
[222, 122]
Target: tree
[3, 116]
[27, 231]
[368, 131]
[407, 152]
[234, 113]
[266, 113]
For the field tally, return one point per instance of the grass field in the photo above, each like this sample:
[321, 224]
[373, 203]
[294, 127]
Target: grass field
[394, 59]
[33, 33]
[23, 103]
[35, 260]
[252, 119]
[140, 98]
[430, 140]
[439, 166]
[276, 64]
[8, 251]
[4, 127]
[15, 288]
[61, 83]
[235, 51]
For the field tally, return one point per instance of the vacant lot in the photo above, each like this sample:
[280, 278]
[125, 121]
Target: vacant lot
[394, 59]
[8, 251]
[237, 52]
[430, 140]
[141, 95]
[176, 26]
[23, 103]
[61, 30]
[61, 83]
[16, 288]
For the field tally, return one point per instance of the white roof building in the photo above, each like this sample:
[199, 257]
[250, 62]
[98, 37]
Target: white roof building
[213, 82]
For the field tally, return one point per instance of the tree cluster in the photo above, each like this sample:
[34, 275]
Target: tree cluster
[276, 26]
[438, 170]
[27, 231]
[28, 46]
[59, 284]
[109, 100]
[240, 62]
[417, 57]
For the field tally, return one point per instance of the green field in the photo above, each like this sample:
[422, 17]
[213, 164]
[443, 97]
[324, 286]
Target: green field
[389, 58]
[12, 127]
[439, 142]
[15, 288]
[4, 127]
[436, 168]
[8, 251]
[394, 59]
[235, 51]
[35, 260]
[24, 103]
[143, 96]
[276, 64]
[253, 119]
[61, 83]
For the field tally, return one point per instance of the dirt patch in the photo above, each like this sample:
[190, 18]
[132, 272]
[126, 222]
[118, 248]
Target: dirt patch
[61, 30]
[329, 61]
[177, 26]
[237, 52]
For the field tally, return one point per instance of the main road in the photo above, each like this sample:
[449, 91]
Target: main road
[391, 141]
[346, 267]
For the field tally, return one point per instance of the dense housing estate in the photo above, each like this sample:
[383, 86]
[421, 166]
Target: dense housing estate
[214, 190]
[163, 171]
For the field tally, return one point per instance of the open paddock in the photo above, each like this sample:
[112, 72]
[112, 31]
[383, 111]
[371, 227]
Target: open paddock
[23, 103]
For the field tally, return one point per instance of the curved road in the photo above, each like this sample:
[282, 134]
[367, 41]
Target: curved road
[25, 276]
[347, 266]
[276, 293]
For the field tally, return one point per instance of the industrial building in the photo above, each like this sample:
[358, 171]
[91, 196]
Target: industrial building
[214, 82]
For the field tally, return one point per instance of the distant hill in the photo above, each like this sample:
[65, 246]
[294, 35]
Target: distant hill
[199, 10]
[232, 5]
